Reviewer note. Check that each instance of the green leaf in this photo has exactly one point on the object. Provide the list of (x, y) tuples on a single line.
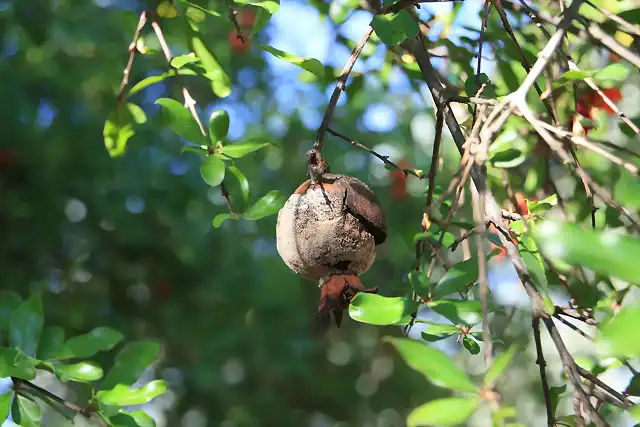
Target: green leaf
[(509, 158), (499, 365), (467, 312), (617, 72), (218, 126), (380, 310), (438, 331), (619, 336), (211, 12), (633, 389), (212, 170), (89, 344), (122, 395), (130, 363), (626, 129), (555, 393), (240, 150), (419, 283), (9, 300), (573, 75), (470, 344), (310, 64), (51, 342), (449, 411), (118, 127), (220, 82), (457, 278), (542, 205), (243, 183), (25, 326), (220, 218), (271, 6), (25, 412), (133, 419), (180, 120), (16, 364), (269, 204), (182, 60), (433, 364), (5, 404), (148, 81), (80, 372), (605, 252), (394, 28)]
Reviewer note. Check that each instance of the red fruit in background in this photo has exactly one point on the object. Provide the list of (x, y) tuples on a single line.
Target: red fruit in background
[(239, 45), (399, 181), (588, 104)]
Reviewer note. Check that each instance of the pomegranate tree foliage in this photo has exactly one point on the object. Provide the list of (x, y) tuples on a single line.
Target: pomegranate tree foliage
[(117, 246)]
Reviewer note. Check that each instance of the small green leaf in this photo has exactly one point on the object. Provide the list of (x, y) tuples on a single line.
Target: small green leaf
[(379, 310), (5, 404), (605, 252), (80, 372), (180, 120), (619, 336), (449, 411), (555, 393), (617, 72), (542, 205), (438, 331), (394, 28), (218, 126), (201, 150), (243, 183), (220, 218), (130, 363), (468, 312), (9, 300), (16, 364), (457, 278), (240, 150), (509, 158), (499, 365), (271, 6), (25, 412), (118, 128), (211, 12), (148, 81), (122, 395), (573, 75), (433, 364), (470, 344), (51, 342), (133, 419), (419, 283), (269, 204), (25, 326), (212, 170), (310, 64), (633, 389), (182, 60), (220, 82), (89, 344)]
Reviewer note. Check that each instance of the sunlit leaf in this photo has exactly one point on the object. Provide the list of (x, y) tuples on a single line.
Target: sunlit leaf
[(438, 331), (80, 372), (25, 326), (271, 6), (220, 82), (218, 125), (25, 412), (133, 419), (433, 364), (380, 310), (616, 71), (220, 218), (542, 205), (269, 204), (182, 60), (457, 278), (119, 127), (310, 64), (130, 363), (212, 170), (605, 252), (122, 395), (619, 337), (468, 312), (180, 120), (240, 150), (91, 343), (500, 363), (394, 28), (449, 411), (5, 404), (166, 9), (509, 158)]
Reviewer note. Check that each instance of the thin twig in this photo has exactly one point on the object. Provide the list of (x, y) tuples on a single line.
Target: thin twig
[(132, 53), (627, 26), (535, 323), (340, 86), (435, 155)]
